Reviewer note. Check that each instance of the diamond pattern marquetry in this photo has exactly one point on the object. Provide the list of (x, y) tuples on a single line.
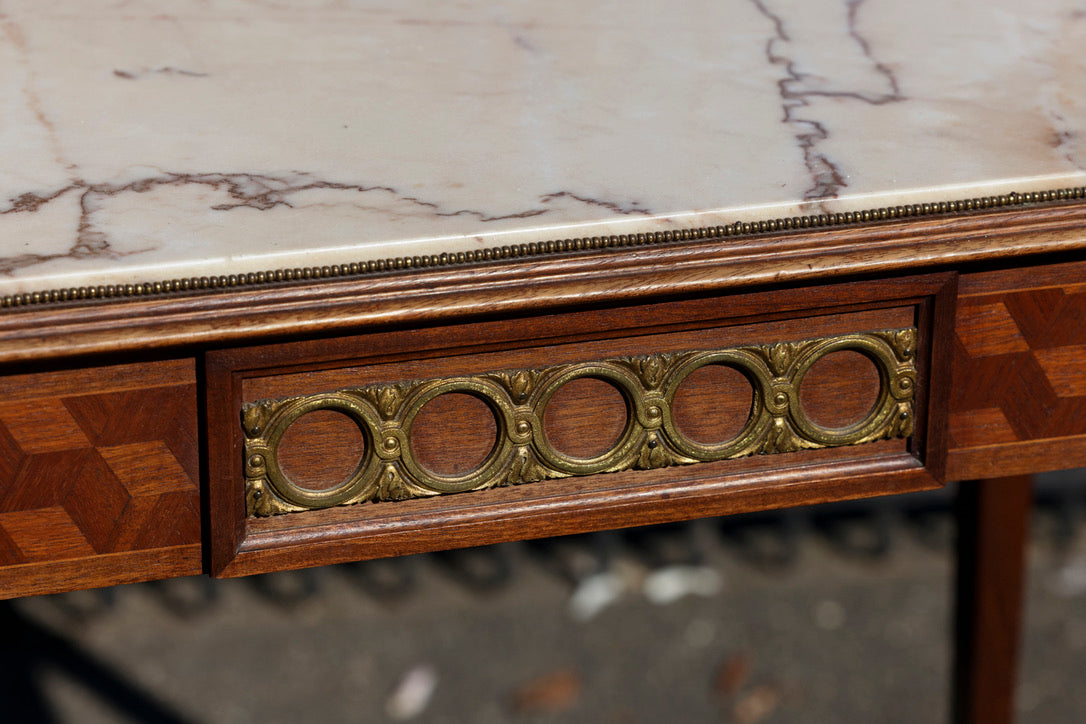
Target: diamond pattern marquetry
[(87, 469), (1019, 367)]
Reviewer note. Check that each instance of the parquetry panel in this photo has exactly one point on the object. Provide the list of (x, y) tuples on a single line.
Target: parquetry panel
[(45, 534), (1019, 367), (40, 426), (92, 468)]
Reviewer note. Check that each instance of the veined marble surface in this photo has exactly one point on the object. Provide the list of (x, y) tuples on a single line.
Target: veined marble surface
[(144, 140)]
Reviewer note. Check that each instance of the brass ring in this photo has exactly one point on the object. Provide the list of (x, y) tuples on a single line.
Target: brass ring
[(881, 355), (628, 387), (364, 475), (760, 378), (500, 455)]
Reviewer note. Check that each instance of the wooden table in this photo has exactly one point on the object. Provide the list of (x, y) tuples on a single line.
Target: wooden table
[(530, 274)]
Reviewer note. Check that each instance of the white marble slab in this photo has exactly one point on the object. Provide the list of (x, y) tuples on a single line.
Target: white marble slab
[(145, 140)]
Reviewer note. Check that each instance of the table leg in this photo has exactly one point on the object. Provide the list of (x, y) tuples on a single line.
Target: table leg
[(993, 524)]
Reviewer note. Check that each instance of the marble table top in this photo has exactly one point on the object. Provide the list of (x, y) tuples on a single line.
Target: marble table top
[(146, 140)]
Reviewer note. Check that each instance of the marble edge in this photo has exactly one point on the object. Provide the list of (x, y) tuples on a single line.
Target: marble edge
[(14, 292)]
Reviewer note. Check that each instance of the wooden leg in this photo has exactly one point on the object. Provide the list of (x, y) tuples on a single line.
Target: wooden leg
[(993, 525)]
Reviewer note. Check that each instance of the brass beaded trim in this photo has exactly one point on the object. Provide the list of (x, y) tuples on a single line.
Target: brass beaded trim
[(190, 284), (522, 453)]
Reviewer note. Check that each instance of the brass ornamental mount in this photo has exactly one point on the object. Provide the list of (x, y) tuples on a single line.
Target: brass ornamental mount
[(542, 248), (522, 453)]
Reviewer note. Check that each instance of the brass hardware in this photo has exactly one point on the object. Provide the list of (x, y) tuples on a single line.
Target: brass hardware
[(334, 271), (385, 413)]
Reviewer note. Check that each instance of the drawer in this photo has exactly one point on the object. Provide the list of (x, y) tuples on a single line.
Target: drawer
[(408, 440)]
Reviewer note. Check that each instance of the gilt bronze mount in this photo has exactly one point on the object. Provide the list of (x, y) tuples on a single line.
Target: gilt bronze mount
[(522, 453)]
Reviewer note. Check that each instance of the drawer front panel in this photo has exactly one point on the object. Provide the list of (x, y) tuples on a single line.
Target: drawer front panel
[(317, 447), (1019, 371), (99, 475)]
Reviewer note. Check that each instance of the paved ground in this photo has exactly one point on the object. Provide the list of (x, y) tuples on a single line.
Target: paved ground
[(821, 615)]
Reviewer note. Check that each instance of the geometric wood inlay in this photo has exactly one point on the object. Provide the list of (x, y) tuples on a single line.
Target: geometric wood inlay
[(981, 427), (40, 426), (989, 329), (45, 534), (99, 461), (1064, 367), (1019, 368)]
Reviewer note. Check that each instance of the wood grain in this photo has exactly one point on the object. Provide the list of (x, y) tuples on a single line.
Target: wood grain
[(453, 434), (321, 449), (1019, 370), (840, 389), (505, 515), (713, 322), (109, 569), (993, 525), (98, 462), (585, 418), (713, 404)]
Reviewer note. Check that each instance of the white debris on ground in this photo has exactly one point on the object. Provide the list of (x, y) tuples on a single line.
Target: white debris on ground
[(661, 586), (671, 583), (595, 593), (412, 695)]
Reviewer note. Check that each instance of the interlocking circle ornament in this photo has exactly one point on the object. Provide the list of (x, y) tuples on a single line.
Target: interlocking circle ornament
[(517, 399)]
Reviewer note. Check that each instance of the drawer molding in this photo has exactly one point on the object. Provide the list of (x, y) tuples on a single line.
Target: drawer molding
[(385, 413)]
